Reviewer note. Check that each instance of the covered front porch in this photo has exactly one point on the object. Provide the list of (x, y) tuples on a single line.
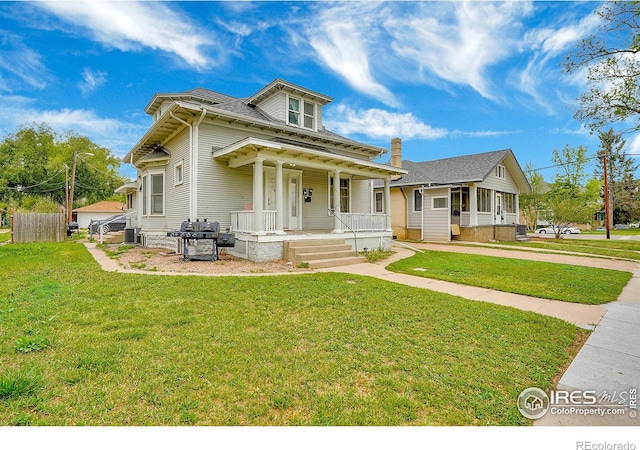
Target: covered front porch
[(307, 192), (297, 188)]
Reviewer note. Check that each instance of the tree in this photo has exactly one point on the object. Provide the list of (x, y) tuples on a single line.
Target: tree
[(34, 163), (568, 200), (620, 172), (532, 202), (612, 67)]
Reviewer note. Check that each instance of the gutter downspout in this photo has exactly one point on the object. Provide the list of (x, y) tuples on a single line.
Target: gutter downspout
[(422, 213), (191, 211), (193, 162), (195, 159)]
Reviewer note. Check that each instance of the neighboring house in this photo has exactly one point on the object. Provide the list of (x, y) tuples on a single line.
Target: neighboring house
[(264, 166), (472, 197), (97, 211)]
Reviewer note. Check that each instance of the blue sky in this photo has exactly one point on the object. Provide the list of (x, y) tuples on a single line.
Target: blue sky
[(449, 78)]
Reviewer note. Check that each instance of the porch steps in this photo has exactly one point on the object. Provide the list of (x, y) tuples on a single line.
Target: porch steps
[(319, 254)]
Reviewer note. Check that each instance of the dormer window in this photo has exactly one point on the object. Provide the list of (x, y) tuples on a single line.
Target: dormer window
[(302, 113)]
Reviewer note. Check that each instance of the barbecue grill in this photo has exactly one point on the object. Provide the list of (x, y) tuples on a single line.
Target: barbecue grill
[(196, 231)]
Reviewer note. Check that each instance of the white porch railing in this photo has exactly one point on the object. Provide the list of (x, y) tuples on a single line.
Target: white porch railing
[(363, 222), (242, 221)]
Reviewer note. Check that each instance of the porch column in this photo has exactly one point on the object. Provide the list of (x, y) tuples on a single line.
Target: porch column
[(258, 196), (473, 206), (279, 199), (387, 201), (337, 224)]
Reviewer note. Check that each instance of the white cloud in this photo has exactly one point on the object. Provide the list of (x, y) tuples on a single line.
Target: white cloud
[(547, 44), (457, 42), (20, 65), (91, 80), (130, 26), (342, 37), (633, 146), (377, 123), (111, 133)]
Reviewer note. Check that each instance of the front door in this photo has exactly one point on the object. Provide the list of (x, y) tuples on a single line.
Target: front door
[(499, 214), (292, 201), (292, 196)]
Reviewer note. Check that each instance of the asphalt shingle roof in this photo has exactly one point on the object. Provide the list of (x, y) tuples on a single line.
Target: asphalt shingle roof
[(457, 169)]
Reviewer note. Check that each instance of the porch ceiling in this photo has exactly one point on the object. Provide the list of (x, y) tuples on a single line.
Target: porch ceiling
[(248, 150)]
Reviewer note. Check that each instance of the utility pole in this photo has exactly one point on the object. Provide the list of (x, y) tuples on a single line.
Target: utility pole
[(73, 185), (66, 190), (606, 195)]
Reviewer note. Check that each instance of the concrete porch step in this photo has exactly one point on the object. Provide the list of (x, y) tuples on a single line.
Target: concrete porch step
[(335, 262), (318, 253)]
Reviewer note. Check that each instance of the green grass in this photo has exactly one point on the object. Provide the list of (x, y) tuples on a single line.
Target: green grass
[(609, 248), (312, 349), (377, 254), (538, 279), (5, 236)]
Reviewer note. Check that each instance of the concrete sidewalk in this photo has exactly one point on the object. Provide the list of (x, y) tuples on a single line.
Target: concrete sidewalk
[(609, 362), (586, 316)]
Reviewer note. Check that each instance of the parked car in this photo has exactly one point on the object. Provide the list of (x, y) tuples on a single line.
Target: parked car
[(113, 223), (554, 230)]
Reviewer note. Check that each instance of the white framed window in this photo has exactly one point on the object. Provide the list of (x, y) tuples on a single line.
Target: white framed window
[(484, 200), (439, 202), (309, 116), (379, 207), (157, 194), (509, 201), (417, 200), (143, 194), (301, 113), (501, 172), (345, 194), (178, 174), (294, 111)]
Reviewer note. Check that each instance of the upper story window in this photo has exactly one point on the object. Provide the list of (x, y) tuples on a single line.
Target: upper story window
[(501, 172), (301, 113)]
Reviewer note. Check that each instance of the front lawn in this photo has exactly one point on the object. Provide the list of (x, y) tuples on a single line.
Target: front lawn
[(623, 249), (563, 282), (79, 346), (5, 235)]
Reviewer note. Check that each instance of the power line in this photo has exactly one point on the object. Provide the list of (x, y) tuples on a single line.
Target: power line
[(20, 188)]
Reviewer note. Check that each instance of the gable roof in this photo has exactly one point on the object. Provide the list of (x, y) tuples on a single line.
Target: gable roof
[(278, 85), (186, 106), (103, 206), (462, 169)]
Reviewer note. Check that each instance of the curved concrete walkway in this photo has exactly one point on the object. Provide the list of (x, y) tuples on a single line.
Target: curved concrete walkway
[(586, 316)]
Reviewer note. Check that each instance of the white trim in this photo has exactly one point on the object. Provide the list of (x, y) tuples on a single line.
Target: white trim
[(342, 177), (501, 172), (151, 174), (413, 200), (302, 156), (433, 202), (180, 165), (375, 202), (301, 114)]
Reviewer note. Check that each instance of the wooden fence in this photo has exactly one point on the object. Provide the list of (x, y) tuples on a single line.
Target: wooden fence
[(38, 227)]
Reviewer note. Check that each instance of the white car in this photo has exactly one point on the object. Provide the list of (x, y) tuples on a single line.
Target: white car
[(554, 230)]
